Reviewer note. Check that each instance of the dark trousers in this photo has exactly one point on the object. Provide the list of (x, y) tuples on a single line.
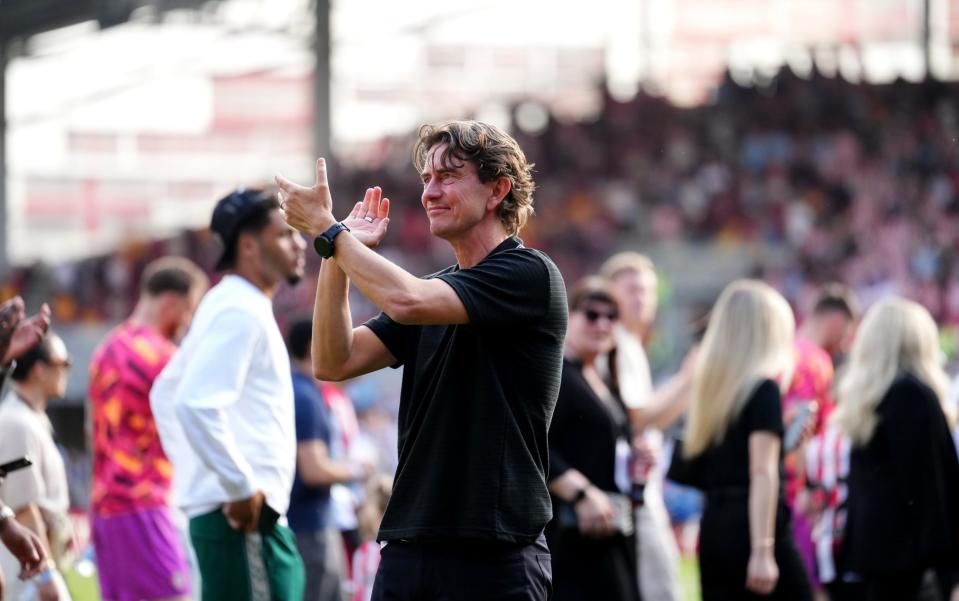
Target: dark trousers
[(463, 570), (724, 549), (917, 584), (589, 569)]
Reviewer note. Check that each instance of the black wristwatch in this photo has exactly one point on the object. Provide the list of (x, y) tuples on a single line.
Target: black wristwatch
[(323, 244), (580, 494)]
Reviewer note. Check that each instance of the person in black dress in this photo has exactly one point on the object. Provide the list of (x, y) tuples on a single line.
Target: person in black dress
[(732, 449), (903, 508), (590, 536)]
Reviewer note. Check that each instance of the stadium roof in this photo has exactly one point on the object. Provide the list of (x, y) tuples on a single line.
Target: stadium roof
[(20, 18)]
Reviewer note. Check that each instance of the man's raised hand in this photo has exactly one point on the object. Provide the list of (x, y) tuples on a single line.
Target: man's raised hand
[(308, 210), (370, 218), (17, 333)]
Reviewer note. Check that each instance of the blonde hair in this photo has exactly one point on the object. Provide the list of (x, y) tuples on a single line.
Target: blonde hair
[(749, 339), (626, 261), (896, 336)]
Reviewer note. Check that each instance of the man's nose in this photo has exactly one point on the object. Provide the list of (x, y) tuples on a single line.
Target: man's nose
[(431, 189)]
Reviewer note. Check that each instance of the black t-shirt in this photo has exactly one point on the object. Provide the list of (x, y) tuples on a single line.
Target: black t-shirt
[(476, 403), (585, 431), (724, 467)]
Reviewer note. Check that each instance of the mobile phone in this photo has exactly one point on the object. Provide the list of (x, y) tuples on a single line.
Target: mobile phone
[(796, 426), (268, 519), (12, 466)]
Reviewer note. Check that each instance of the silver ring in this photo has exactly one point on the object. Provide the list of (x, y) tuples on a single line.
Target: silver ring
[(368, 219)]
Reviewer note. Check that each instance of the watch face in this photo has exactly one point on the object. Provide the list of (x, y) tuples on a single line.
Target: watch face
[(323, 247)]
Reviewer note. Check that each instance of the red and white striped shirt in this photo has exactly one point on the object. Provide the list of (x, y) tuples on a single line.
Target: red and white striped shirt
[(827, 471), (366, 560)]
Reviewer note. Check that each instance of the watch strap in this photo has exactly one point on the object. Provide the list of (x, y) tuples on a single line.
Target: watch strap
[(323, 244)]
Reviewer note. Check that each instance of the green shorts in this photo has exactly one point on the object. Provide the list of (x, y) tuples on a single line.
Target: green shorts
[(240, 566)]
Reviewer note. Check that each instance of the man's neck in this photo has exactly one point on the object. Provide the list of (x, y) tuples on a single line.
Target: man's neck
[(477, 243), (267, 288), (147, 313), (32, 396), (636, 328), (811, 332)]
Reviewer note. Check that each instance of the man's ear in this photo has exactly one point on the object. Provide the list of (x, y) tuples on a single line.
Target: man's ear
[(498, 191), (246, 245)]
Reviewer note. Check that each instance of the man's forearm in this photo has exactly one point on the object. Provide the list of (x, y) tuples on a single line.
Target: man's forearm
[(30, 517), (212, 440), (671, 400), (332, 321), (388, 286)]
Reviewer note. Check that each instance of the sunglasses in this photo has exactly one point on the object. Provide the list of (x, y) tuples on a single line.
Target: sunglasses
[(592, 315), (59, 363)]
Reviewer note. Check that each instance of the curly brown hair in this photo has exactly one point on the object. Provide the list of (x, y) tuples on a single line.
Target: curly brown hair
[(494, 153)]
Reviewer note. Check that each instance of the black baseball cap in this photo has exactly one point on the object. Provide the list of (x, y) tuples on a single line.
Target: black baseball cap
[(228, 216)]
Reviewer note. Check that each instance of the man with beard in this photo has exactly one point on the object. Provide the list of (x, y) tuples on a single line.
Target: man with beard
[(224, 409)]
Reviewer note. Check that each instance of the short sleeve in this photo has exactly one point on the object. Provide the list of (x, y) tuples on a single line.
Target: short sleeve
[(24, 486), (312, 422), (396, 337), (763, 412), (507, 287)]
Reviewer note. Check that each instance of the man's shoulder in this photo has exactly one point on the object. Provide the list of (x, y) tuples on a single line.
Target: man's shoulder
[(526, 254), (136, 342), (16, 418)]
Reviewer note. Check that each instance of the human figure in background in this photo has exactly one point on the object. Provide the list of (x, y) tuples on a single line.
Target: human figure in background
[(345, 496), (903, 510), (366, 558), (310, 514), (732, 448), (19, 334), (224, 411), (138, 545), (823, 338), (592, 536), (37, 494), (634, 281)]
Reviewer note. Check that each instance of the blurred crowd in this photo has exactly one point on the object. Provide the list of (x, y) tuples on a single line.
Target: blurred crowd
[(855, 182), (849, 183)]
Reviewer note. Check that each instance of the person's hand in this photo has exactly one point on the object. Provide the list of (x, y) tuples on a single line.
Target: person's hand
[(309, 210), (644, 454), (370, 217), (24, 545), (28, 334), (245, 513), (364, 469), (595, 513), (762, 573), (11, 312)]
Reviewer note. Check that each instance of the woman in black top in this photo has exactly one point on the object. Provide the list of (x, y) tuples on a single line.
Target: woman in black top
[(903, 508), (590, 536), (732, 448)]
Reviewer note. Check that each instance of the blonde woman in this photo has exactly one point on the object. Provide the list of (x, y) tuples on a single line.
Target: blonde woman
[(903, 511), (732, 448)]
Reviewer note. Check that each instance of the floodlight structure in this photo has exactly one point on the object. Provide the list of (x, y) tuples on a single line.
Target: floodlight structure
[(21, 19)]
